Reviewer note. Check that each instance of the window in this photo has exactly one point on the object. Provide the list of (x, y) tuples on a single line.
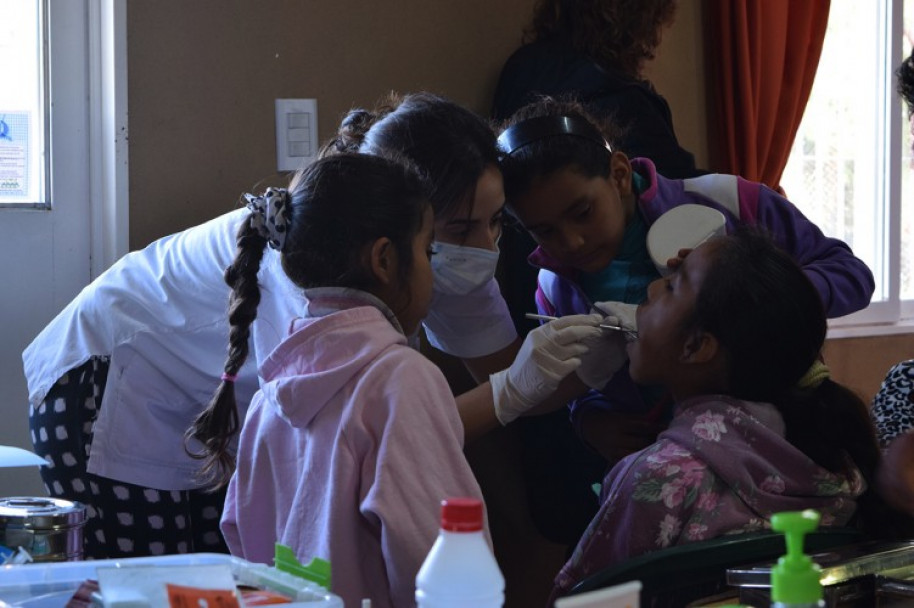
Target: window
[(850, 169), (49, 254), (23, 172), (63, 123)]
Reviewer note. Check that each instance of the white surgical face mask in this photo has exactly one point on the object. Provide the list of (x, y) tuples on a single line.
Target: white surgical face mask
[(459, 270)]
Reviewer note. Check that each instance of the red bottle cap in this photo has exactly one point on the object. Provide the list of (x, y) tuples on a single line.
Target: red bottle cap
[(461, 514)]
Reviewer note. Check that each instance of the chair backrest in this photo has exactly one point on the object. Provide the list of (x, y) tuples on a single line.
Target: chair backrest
[(684, 573)]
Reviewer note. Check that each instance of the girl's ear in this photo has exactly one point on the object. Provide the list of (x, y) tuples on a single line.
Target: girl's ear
[(383, 260), (620, 171), (700, 347)]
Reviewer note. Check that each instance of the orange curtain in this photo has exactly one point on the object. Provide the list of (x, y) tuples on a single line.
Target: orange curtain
[(763, 55)]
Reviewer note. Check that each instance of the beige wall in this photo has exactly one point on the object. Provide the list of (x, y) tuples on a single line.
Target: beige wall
[(862, 363), (203, 76), (678, 73)]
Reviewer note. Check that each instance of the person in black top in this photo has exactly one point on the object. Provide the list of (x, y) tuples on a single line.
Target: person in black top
[(593, 52)]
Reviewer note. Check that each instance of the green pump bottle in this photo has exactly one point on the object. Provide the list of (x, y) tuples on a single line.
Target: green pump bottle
[(796, 579)]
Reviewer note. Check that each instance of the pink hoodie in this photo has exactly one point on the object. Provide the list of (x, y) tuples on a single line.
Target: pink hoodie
[(346, 454)]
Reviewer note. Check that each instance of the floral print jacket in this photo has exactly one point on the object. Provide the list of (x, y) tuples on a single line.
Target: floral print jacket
[(722, 467)]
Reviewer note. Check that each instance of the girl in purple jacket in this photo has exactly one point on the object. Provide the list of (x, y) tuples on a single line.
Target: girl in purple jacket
[(589, 208), (734, 335)]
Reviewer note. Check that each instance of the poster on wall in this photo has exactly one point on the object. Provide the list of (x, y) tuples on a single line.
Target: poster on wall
[(14, 155)]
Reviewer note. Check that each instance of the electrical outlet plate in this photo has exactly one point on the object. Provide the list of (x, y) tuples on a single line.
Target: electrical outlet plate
[(296, 133)]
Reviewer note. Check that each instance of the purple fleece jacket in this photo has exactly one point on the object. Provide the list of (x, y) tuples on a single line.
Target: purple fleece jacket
[(844, 281)]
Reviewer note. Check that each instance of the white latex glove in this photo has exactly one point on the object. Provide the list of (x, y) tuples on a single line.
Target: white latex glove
[(605, 356), (549, 353), (621, 314)]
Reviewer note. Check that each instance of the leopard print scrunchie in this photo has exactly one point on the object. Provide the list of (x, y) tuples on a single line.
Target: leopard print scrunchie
[(270, 215)]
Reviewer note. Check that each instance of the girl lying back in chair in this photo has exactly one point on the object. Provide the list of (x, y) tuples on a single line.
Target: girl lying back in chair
[(734, 334)]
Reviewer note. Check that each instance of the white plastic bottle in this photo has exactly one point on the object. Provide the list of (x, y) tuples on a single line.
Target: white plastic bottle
[(460, 570)]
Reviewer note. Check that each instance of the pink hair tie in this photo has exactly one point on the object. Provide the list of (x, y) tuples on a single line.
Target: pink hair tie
[(228, 377)]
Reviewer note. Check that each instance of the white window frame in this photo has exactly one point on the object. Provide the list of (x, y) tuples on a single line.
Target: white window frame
[(893, 315), (109, 134)]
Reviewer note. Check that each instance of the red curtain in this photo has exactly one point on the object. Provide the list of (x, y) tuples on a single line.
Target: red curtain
[(763, 55)]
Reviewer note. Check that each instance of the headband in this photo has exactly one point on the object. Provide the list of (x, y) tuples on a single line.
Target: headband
[(270, 215), (534, 129)]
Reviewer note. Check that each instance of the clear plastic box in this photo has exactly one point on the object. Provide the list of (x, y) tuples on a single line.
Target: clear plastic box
[(50, 585)]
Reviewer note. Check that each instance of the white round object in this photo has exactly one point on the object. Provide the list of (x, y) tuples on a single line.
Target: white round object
[(682, 227)]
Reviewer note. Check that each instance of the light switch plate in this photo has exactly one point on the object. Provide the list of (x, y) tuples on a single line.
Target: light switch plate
[(296, 133)]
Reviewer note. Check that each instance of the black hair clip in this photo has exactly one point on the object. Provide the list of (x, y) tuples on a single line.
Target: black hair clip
[(534, 129)]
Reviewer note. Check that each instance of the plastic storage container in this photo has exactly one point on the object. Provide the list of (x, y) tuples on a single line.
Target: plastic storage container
[(51, 585), (849, 574), (460, 569)]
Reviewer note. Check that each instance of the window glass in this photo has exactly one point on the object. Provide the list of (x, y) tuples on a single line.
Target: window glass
[(842, 169), (831, 175), (22, 133)]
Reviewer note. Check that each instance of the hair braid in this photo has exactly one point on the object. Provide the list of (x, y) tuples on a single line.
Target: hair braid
[(217, 425)]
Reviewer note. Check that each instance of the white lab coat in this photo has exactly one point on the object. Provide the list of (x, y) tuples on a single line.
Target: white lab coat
[(161, 315)]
